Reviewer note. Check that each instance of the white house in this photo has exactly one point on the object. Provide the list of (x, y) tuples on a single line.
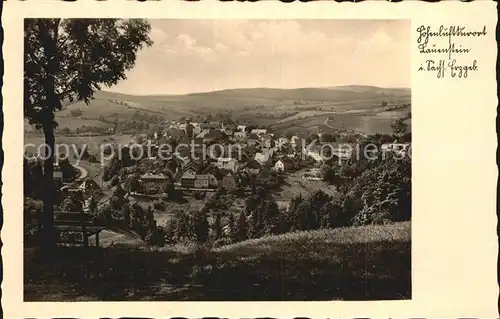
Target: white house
[(313, 152), (264, 156), (282, 165), (227, 163), (241, 128), (258, 131)]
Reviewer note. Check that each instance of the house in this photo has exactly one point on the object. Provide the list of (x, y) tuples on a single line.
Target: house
[(188, 178), (175, 133), (240, 135), (211, 125), (154, 182), (258, 131), (294, 140), (173, 125), (228, 182), (194, 165), (196, 128), (229, 128), (281, 142), (314, 152), (253, 140), (227, 163), (205, 181), (398, 148), (283, 165), (343, 152), (263, 157), (241, 128), (267, 140)]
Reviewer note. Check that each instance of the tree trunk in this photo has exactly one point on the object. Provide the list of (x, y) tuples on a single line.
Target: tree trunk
[(48, 230), (49, 36), (253, 185)]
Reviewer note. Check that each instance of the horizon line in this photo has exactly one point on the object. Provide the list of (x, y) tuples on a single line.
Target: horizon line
[(258, 87)]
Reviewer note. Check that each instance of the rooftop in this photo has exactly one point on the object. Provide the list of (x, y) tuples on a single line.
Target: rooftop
[(153, 176)]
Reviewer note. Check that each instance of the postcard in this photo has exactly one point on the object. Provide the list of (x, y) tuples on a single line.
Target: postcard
[(240, 160)]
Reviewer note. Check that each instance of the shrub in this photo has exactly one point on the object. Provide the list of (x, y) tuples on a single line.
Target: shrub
[(222, 242), (159, 204), (156, 237)]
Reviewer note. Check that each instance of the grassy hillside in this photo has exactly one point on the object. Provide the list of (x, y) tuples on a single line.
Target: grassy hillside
[(364, 263)]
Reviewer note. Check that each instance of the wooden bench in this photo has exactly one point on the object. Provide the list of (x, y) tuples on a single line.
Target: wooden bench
[(77, 222)]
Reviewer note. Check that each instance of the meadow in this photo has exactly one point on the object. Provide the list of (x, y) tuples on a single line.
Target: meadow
[(358, 263), (93, 142)]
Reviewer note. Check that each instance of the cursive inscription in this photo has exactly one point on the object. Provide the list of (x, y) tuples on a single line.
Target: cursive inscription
[(444, 42)]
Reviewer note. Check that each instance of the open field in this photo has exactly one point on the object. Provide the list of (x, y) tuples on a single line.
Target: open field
[(242, 102), (365, 263), (371, 121), (295, 185), (93, 142), (75, 122), (306, 114)]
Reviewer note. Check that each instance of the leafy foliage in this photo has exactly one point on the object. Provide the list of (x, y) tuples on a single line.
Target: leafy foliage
[(70, 60)]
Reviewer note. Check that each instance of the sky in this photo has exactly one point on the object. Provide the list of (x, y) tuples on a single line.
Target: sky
[(206, 55)]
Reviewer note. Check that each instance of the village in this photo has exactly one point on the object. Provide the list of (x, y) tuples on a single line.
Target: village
[(208, 156), (240, 151)]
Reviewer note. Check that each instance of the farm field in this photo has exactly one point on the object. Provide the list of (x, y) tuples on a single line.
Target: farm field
[(74, 122)]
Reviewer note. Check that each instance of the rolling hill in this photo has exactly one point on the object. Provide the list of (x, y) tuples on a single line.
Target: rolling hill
[(262, 106)]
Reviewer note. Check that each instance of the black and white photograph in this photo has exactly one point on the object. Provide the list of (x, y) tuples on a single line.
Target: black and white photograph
[(217, 160)]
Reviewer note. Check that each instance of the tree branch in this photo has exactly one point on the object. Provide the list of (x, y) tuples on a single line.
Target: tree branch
[(35, 59)]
